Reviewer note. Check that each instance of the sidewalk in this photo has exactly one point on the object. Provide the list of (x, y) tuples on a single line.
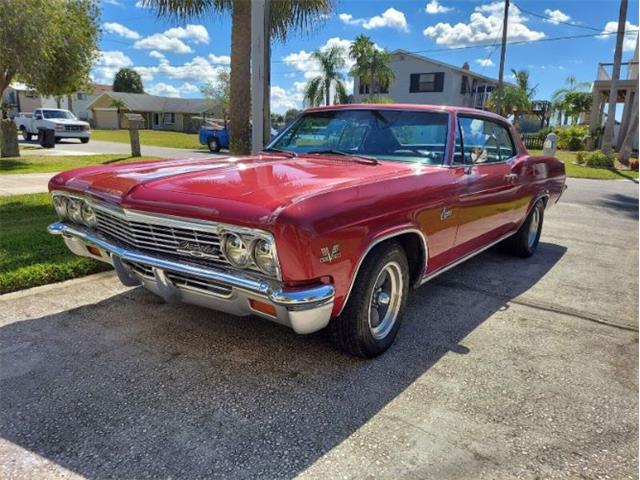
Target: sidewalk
[(24, 183)]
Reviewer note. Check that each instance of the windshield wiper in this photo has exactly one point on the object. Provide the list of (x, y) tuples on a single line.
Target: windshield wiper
[(344, 154), (288, 153)]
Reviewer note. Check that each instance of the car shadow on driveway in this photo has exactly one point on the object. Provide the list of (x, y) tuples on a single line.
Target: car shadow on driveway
[(135, 388)]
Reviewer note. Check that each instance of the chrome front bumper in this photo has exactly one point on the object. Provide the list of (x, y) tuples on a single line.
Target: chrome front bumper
[(305, 310)]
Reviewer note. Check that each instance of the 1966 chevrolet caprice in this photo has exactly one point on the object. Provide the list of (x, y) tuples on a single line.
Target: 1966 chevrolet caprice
[(329, 226)]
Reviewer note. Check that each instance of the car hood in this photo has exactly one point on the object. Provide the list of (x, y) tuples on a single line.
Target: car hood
[(241, 190), (66, 121)]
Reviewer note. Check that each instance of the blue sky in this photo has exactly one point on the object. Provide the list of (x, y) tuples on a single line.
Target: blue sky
[(176, 58)]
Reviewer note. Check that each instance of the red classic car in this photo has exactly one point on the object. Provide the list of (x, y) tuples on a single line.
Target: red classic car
[(328, 227)]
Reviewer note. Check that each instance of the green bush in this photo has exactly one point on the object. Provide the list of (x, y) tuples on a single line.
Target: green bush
[(543, 132), (581, 157), (573, 137), (598, 159)]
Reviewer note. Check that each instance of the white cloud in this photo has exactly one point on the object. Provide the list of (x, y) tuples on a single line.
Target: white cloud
[(556, 16), (173, 40), (166, 90), (108, 64), (159, 41), (391, 18), (163, 89), (198, 69), (112, 2), (485, 62), (157, 55), (484, 25), (220, 60), (121, 30), (303, 61), (630, 34), (196, 33), (433, 7)]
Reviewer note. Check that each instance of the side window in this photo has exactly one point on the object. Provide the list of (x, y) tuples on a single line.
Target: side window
[(485, 141)]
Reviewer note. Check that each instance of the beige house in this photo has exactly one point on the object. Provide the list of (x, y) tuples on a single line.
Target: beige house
[(18, 97), (423, 80), (159, 113)]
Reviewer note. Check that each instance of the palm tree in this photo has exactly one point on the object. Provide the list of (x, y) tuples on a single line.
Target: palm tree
[(372, 64), (558, 99), (286, 15), (118, 105), (331, 62)]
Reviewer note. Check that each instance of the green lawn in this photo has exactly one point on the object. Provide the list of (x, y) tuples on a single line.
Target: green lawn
[(42, 163), (151, 137), (29, 256), (578, 171)]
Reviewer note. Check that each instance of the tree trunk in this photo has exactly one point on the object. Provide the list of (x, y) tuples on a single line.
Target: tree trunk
[(8, 139), (607, 140), (327, 91), (627, 143), (69, 103), (371, 80), (240, 95)]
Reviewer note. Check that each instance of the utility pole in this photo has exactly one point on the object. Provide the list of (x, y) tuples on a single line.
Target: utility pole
[(260, 38), (607, 138), (503, 53)]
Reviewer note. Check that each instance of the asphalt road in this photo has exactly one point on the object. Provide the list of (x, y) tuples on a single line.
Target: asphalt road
[(504, 368), (95, 147)]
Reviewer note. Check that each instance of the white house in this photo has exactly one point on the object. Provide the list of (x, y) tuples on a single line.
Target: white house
[(422, 80)]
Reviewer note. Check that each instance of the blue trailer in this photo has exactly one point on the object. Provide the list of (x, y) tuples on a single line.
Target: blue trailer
[(214, 138)]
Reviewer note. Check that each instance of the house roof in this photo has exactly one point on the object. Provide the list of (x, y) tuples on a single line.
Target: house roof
[(446, 65), (143, 102)]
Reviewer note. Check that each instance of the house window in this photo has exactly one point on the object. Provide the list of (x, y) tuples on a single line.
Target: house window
[(81, 96), (169, 118), (464, 86), (427, 82), (31, 94)]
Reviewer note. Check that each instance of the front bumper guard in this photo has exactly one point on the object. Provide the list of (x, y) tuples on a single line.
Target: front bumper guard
[(305, 310)]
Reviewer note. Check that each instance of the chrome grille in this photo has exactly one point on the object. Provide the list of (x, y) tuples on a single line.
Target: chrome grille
[(168, 240), (181, 280)]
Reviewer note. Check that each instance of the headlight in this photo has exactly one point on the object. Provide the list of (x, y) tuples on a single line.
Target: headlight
[(263, 256), (88, 215), (60, 205), (236, 251), (74, 210)]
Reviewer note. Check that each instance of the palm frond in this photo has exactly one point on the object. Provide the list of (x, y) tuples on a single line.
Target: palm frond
[(341, 93), (313, 93), (187, 9), (297, 15)]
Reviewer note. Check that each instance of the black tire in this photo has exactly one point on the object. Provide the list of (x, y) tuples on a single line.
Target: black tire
[(523, 243), (214, 145), (25, 135), (84, 140), (352, 331)]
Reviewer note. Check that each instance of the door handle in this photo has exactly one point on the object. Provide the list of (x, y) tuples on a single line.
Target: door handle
[(511, 177)]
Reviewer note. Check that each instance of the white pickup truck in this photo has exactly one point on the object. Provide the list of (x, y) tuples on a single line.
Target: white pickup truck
[(63, 122)]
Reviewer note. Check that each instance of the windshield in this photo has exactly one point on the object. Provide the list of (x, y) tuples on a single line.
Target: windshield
[(403, 136), (58, 114)]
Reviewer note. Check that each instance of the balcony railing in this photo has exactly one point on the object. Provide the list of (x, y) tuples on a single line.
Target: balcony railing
[(628, 71)]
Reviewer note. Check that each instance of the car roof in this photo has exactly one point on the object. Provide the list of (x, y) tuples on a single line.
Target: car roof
[(409, 107)]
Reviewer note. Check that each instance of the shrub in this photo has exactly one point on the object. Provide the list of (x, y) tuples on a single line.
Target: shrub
[(599, 159), (543, 132), (573, 137), (581, 157)]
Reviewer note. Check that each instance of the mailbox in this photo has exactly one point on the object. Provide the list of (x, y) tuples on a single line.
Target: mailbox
[(135, 121)]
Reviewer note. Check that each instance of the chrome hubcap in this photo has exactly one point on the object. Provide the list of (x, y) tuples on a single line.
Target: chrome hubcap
[(533, 226), (385, 300)]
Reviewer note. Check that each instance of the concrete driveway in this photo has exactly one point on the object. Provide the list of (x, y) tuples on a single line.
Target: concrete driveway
[(95, 147), (504, 368)]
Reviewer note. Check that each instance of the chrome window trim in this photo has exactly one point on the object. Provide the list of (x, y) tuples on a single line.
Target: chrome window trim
[(174, 221), (380, 240)]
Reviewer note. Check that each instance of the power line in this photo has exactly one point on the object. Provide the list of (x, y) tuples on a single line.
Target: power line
[(555, 21)]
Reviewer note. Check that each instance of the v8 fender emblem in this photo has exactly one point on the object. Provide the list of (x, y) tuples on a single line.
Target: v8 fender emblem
[(446, 213), (330, 255)]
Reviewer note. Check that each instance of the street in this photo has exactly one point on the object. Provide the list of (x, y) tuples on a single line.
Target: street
[(503, 368)]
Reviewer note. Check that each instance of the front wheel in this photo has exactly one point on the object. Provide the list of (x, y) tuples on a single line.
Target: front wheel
[(84, 140), (525, 241), (214, 145), (370, 320)]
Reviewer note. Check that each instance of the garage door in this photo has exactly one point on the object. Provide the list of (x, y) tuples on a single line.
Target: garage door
[(106, 119)]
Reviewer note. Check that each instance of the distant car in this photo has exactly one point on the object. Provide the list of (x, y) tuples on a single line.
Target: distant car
[(214, 137), (63, 122), (217, 138), (328, 227)]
